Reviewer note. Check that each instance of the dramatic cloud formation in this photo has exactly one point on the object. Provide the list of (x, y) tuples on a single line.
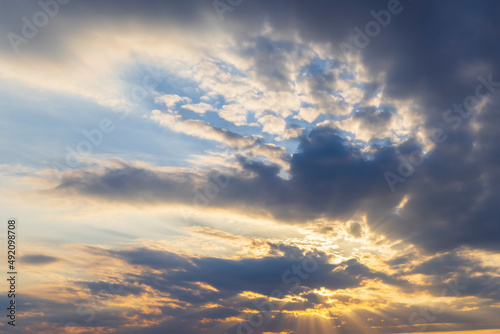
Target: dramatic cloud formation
[(252, 166)]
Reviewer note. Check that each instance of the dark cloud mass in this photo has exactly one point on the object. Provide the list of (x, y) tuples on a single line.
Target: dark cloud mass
[(262, 276), (228, 279), (215, 289), (450, 203)]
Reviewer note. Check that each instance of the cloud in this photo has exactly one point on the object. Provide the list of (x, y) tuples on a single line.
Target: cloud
[(309, 114), (160, 290), (228, 278), (234, 113), (370, 123), (444, 264), (355, 229), (272, 124), (330, 176), (201, 129), (199, 108), (38, 259), (342, 121), (171, 100)]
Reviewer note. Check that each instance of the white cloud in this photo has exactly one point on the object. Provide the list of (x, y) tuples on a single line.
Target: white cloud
[(234, 113), (171, 100), (309, 114), (272, 124), (199, 108)]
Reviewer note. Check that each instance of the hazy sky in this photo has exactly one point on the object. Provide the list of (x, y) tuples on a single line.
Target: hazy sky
[(250, 166)]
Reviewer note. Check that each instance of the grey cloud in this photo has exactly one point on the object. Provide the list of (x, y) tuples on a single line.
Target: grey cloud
[(38, 259)]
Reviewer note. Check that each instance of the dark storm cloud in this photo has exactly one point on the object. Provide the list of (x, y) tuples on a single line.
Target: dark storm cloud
[(179, 279), (329, 176), (466, 284), (485, 286), (454, 194), (427, 58), (461, 276), (231, 277), (444, 264)]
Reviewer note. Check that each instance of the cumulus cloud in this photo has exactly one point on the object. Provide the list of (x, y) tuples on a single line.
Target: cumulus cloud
[(272, 124), (234, 113)]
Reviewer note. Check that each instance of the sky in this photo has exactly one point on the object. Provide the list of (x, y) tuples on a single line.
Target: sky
[(250, 166)]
